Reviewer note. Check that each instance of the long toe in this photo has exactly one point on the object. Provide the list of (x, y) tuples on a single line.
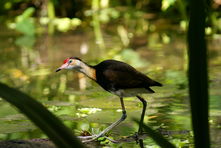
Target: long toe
[(87, 137), (91, 139)]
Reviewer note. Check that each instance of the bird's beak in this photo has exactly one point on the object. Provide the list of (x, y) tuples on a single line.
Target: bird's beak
[(57, 70), (62, 67)]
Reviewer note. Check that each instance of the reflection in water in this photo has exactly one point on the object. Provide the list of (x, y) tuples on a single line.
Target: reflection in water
[(72, 97)]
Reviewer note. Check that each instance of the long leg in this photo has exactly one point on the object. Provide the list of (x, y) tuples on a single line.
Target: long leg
[(140, 130), (142, 114), (123, 117)]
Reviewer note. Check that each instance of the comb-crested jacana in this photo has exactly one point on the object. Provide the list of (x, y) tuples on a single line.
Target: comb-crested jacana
[(115, 77)]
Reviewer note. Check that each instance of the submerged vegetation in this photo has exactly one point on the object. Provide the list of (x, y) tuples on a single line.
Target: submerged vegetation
[(36, 35)]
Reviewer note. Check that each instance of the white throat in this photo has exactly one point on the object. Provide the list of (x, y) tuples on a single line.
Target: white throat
[(87, 70)]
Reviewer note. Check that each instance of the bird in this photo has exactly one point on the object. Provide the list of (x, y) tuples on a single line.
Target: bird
[(118, 78)]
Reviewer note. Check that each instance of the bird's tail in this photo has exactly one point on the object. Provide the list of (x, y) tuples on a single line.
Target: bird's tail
[(155, 83)]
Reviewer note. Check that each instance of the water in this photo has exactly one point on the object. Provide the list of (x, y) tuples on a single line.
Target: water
[(84, 106)]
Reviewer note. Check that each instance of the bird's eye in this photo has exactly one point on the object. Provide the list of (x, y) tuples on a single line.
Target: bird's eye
[(69, 61)]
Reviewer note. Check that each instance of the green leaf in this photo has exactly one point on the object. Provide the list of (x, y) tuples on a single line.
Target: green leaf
[(24, 23), (26, 26), (39, 115)]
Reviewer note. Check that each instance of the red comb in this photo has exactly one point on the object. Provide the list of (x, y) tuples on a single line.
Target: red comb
[(65, 61)]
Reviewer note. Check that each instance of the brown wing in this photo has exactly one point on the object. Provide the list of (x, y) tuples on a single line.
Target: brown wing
[(113, 74), (123, 79), (123, 75)]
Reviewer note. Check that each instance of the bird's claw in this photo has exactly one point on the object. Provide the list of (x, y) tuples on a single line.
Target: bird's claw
[(86, 139), (137, 137)]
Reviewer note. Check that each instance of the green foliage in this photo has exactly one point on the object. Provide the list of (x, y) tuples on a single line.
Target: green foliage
[(45, 120), (180, 143), (24, 23), (105, 14), (66, 24), (167, 3)]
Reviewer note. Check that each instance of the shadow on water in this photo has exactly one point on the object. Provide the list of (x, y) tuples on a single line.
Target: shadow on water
[(84, 106)]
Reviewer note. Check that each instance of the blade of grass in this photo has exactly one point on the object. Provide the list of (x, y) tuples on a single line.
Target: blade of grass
[(40, 116), (157, 137), (198, 73)]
